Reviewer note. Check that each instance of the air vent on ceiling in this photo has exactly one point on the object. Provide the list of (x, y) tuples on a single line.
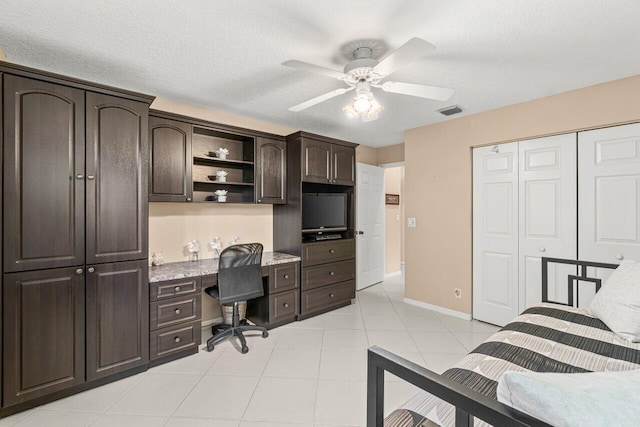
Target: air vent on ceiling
[(450, 111)]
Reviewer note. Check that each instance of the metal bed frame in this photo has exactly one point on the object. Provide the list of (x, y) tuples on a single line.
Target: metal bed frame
[(468, 403)]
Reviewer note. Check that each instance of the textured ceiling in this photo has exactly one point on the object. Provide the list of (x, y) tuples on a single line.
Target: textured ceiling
[(227, 54)]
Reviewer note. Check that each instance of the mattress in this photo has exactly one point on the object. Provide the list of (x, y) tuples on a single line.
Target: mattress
[(544, 338)]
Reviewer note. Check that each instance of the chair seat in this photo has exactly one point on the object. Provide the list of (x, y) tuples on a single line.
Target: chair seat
[(213, 291)]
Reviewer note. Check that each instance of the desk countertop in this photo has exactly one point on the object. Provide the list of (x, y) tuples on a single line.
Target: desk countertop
[(180, 270)]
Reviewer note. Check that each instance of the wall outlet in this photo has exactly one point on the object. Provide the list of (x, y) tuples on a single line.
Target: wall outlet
[(411, 222), (457, 292)]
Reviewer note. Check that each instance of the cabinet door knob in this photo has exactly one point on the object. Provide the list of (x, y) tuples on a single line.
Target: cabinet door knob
[(91, 269), (331, 251), (188, 199), (177, 289), (331, 273), (332, 295), (79, 271), (79, 176), (543, 249), (177, 339), (619, 257), (285, 305), (177, 311), (259, 201), (90, 177), (286, 276)]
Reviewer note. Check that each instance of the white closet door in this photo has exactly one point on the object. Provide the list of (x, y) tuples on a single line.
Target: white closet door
[(495, 233), (609, 194), (547, 215)]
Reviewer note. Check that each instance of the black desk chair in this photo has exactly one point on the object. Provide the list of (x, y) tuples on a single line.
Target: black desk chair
[(239, 279)]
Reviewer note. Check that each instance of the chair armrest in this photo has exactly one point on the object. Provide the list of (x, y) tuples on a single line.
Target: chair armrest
[(468, 403)]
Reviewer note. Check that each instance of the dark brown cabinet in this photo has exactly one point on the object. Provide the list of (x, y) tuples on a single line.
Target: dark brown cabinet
[(327, 162), (117, 317), (271, 171), (44, 182), (170, 160), (74, 183), (43, 333), (117, 165)]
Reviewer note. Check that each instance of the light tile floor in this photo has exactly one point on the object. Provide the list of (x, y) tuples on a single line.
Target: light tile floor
[(309, 373)]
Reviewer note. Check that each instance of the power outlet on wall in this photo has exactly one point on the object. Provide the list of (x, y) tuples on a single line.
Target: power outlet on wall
[(457, 292)]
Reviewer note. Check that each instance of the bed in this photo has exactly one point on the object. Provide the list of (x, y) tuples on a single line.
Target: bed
[(550, 337)]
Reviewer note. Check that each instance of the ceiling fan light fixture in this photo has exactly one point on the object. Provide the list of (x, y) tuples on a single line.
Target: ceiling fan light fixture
[(365, 106)]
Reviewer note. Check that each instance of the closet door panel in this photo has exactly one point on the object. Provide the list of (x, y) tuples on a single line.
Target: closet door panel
[(609, 194), (547, 214), (495, 233)]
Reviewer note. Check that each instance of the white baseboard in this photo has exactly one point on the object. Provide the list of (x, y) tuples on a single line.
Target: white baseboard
[(210, 322), (395, 273), (437, 308)]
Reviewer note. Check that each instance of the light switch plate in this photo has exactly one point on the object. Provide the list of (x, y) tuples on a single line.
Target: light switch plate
[(411, 222)]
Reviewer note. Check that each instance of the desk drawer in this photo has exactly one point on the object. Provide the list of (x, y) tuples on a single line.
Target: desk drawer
[(326, 274), (283, 306), (174, 288), (167, 341), (174, 311), (325, 252), (327, 296), (283, 277)]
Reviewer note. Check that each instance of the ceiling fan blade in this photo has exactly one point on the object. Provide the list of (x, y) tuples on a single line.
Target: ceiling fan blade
[(407, 53), (431, 92), (305, 66), (319, 99)]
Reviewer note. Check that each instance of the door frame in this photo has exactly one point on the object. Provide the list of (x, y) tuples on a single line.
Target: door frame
[(402, 220)]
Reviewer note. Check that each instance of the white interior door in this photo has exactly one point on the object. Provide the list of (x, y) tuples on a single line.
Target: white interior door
[(369, 225), (495, 233), (609, 194), (547, 215)]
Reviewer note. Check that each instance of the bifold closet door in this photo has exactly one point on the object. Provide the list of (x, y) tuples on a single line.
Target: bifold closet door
[(547, 215), (495, 233), (609, 194)]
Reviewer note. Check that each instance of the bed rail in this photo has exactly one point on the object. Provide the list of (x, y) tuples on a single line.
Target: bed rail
[(468, 403)]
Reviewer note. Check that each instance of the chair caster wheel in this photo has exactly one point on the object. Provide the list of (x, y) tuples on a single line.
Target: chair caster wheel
[(245, 350), (243, 322), (265, 334), (210, 348)]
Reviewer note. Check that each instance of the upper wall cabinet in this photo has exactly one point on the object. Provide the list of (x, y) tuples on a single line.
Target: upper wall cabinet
[(327, 161), (170, 160), (194, 160)]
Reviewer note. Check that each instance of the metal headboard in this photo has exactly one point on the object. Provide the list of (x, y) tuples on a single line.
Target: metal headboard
[(581, 276)]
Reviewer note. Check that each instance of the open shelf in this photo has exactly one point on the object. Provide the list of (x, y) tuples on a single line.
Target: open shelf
[(243, 184), (216, 161)]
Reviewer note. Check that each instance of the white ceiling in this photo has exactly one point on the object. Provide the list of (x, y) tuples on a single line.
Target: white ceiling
[(226, 54)]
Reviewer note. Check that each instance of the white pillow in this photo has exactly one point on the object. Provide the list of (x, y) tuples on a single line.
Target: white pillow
[(591, 399), (617, 303)]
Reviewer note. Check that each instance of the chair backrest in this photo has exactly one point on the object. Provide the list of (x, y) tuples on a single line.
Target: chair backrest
[(240, 273)]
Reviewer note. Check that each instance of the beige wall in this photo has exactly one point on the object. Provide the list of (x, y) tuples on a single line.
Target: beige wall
[(366, 154), (391, 154), (172, 225), (438, 177), (393, 221), (2, 56)]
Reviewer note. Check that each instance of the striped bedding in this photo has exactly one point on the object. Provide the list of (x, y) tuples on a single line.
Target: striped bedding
[(544, 338)]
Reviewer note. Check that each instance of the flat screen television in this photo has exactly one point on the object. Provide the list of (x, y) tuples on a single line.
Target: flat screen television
[(324, 212)]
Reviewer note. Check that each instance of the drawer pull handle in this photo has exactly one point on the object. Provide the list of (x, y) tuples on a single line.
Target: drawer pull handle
[(177, 289), (177, 311), (332, 295), (91, 269), (286, 276), (331, 273), (285, 305), (619, 257), (79, 271), (177, 339), (331, 251)]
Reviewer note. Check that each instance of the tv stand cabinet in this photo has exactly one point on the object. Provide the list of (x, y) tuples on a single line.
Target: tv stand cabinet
[(317, 164)]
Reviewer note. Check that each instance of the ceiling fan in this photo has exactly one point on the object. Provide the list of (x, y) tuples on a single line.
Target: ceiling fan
[(366, 72)]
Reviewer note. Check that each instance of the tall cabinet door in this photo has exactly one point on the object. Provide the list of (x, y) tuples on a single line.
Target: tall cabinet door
[(609, 194), (117, 317), (344, 165), (117, 175), (271, 157), (547, 215), (44, 180), (316, 161), (170, 161), (495, 233), (43, 333)]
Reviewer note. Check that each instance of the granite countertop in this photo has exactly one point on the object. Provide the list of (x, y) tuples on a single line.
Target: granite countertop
[(180, 270)]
